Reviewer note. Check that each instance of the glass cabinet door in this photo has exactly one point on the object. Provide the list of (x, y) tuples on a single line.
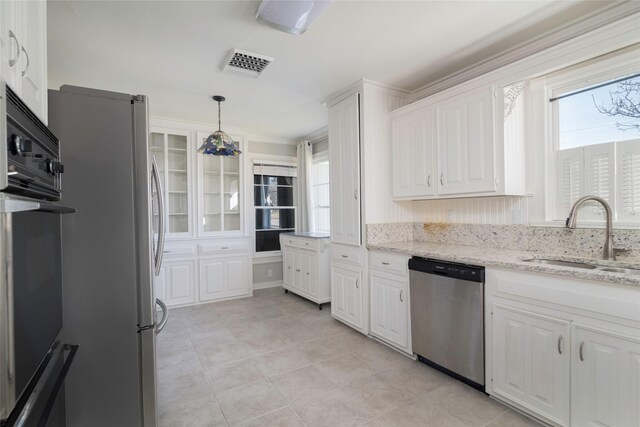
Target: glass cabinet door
[(171, 150), (220, 188)]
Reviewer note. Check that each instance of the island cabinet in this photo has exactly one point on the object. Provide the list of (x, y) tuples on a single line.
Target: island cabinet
[(306, 267), (453, 144), (23, 52), (566, 351)]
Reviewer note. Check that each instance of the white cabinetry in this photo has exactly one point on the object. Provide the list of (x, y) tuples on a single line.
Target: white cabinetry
[(531, 355), (349, 296), (306, 267), (453, 145), (23, 51), (566, 351), (344, 165), (389, 283), (605, 378), (223, 277), (414, 161), (175, 284)]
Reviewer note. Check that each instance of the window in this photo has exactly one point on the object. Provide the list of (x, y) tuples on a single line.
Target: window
[(275, 212), (595, 117), (320, 185)]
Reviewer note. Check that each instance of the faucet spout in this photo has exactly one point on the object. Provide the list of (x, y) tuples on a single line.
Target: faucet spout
[(572, 220)]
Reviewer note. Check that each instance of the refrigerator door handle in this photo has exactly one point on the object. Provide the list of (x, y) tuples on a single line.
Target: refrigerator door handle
[(165, 316), (161, 213)]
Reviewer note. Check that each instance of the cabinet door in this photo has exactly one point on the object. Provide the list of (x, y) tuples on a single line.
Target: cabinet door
[(414, 154), (605, 389), (33, 57), (466, 146), (310, 268), (211, 279), (389, 310), (344, 167), (236, 276), (297, 270), (346, 295), (287, 267), (531, 358), (10, 18), (180, 282)]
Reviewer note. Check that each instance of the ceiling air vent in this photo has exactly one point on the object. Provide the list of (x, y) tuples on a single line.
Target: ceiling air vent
[(247, 63)]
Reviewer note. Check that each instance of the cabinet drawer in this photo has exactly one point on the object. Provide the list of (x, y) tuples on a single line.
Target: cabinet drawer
[(177, 251), (390, 263), (288, 241), (222, 247), (310, 244), (347, 254)]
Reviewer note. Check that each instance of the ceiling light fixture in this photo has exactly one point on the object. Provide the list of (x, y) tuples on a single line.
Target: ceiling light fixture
[(219, 143), (290, 16)]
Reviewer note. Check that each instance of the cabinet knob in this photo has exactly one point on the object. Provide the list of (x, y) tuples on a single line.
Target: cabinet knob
[(581, 351), (442, 179), (560, 344), (385, 263), (401, 290), (345, 256), (298, 270), (429, 181), (225, 247)]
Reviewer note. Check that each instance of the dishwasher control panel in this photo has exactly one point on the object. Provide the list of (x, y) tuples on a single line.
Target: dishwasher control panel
[(454, 270)]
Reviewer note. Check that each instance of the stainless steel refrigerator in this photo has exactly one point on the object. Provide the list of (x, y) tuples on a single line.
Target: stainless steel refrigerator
[(111, 251)]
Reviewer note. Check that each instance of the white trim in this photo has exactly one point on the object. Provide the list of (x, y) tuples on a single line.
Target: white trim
[(267, 258), (267, 285), (317, 136)]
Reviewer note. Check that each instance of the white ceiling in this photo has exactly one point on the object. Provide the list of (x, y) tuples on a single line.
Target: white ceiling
[(173, 51)]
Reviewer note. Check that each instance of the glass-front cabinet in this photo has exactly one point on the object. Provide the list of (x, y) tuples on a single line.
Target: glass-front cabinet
[(220, 198), (172, 151)]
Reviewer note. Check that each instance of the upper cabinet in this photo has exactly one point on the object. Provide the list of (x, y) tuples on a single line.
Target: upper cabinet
[(172, 149), (23, 52), (219, 201), (344, 165), (452, 145)]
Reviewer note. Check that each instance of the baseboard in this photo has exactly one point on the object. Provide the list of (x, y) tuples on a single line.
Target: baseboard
[(265, 285)]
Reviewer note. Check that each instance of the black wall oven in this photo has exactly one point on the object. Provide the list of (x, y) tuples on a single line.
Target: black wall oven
[(33, 359)]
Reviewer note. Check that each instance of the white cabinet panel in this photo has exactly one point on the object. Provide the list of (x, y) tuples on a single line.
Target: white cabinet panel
[(306, 267), (236, 275), (344, 164), (211, 279), (389, 309), (531, 359), (10, 20), (297, 270), (466, 145), (347, 295), (605, 379), (179, 279), (414, 154), (287, 267)]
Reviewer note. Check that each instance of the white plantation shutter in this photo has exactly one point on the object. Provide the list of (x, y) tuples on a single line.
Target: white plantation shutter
[(570, 178), (628, 162), (599, 178)]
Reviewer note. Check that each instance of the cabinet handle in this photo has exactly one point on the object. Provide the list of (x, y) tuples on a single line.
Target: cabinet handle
[(355, 194), (24, 72), (306, 244), (225, 247), (166, 252), (581, 351), (560, 344), (401, 290), (307, 273), (345, 256), (13, 61), (298, 270), (385, 263), (429, 181), (441, 179), (357, 287)]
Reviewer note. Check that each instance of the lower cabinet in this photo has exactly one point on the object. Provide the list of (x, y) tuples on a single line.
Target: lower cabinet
[(605, 379), (347, 295), (175, 284), (305, 268), (223, 277), (531, 359), (390, 310)]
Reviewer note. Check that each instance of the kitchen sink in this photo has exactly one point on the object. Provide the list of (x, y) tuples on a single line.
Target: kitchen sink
[(562, 263), (584, 265)]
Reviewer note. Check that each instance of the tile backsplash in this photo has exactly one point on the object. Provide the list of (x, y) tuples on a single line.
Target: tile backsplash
[(580, 242)]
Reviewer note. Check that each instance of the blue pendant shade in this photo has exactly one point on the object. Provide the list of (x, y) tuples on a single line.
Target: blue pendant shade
[(219, 143)]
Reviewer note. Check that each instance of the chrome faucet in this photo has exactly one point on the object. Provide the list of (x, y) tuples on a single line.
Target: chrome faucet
[(609, 253)]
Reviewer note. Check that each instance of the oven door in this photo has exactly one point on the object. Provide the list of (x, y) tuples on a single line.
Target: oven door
[(31, 300)]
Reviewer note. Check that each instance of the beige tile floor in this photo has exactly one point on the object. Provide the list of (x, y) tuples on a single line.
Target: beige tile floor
[(276, 360)]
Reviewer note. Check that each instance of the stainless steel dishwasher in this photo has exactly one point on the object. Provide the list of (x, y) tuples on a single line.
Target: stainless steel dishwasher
[(447, 318)]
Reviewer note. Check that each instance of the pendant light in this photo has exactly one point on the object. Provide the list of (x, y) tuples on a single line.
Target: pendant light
[(219, 143)]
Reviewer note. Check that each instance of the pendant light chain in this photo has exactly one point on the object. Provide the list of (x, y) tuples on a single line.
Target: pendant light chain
[(219, 120)]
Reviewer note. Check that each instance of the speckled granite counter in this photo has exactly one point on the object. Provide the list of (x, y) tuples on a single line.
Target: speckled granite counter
[(508, 258)]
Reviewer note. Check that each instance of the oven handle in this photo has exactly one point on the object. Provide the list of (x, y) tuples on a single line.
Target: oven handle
[(11, 205), (161, 212), (54, 208)]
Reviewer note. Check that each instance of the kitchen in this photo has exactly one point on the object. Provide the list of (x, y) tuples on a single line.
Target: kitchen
[(304, 220)]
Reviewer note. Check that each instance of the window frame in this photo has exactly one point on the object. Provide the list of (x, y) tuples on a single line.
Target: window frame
[(320, 157), (584, 74)]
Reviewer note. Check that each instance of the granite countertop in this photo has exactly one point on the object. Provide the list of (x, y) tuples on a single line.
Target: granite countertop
[(490, 257), (309, 234)]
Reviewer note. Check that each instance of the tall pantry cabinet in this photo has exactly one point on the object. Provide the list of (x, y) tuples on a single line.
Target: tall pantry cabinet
[(358, 124)]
